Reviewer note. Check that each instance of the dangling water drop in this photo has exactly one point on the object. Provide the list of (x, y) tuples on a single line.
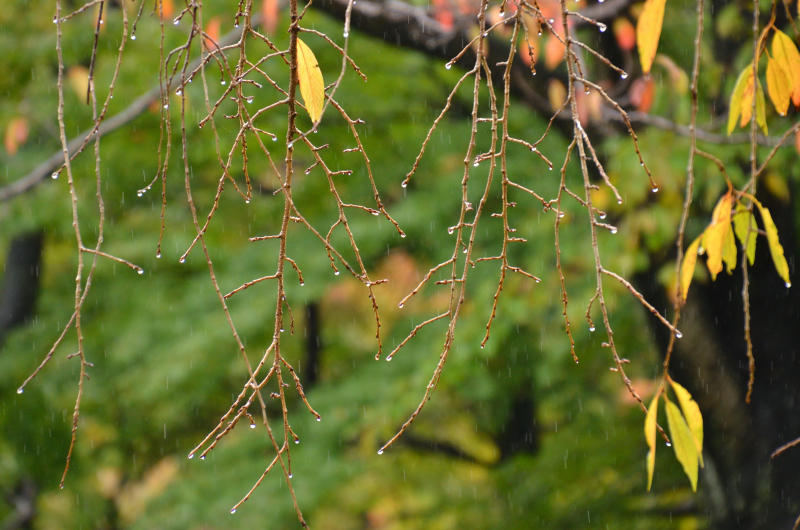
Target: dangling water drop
[(252, 425), (404, 184), (380, 451), (654, 190), (133, 37), (613, 230), (336, 273), (191, 455), (448, 66), (602, 28), (591, 329), (624, 75), (788, 284), (678, 334), (54, 175), (182, 260), (20, 390), (233, 510), (140, 271)]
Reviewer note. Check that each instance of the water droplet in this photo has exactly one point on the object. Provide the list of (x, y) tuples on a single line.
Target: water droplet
[(602, 28), (678, 334), (483, 346), (669, 444), (297, 440), (282, 330), (550, 168), (788, 284), (624, 75), (290, 475), (336, 273), (302, 284), (375, 212), (346, 34), (274, 138), (403, 235), (613, 230), (450, 230), (319, 418), (603, 215), (654, 190), (182, 260), (202, 457), (176, 22), (534, 150), (591, 329), (252, 425), (233, 510), (560, 214), (140, 271), (20, 390), (222, 82), (448, 66), (389, 358), (236, 25), (166, 105), (551, 20), (54, 175), (400, 305), (380, 451), (139, 193), (178, 92), (619, 201), (191, 455), (247, 201), (404, 184), (55, 20), (476, 163), (133, 37)]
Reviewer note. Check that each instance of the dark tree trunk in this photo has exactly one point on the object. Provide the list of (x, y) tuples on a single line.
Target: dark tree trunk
[(20, 281)]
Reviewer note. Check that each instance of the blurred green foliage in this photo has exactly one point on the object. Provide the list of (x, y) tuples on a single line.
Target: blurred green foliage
[(166, 366)]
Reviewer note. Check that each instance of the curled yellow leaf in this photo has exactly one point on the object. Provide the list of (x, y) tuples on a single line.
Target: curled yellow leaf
[(309, 76), (775, 247), (743, 82), (648, 31), (691, 412), (729, 252), (683, 443), (650, 437), (687, 267), (715, 235)]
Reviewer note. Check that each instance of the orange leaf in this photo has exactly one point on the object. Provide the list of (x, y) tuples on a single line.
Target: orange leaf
[(643, 92), (553, 52), (167, 8), (16, 134), (270, 13), (648, 31), (625, 34), (212, 32), (716, 234), (444, 15)]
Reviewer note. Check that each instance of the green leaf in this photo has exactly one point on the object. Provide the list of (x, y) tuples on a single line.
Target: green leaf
[(744, 224), (775, 248), (309, 76), (687, 267), (694, 418), (650, 436), (683, 443)]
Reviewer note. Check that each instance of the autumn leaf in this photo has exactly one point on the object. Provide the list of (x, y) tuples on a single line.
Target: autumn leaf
[(625, 34), (312, 87), (648, 31), (650, 436), (744, 224), (761, 109), (683, 443), (694, 418), (687, 267), (779, 86), (714, 236), (729, 252), (775, 248), (785, 54), (16, 134), (742, 83)]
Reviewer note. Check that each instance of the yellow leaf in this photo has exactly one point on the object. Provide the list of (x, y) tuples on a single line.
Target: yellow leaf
[(650, 436), (692, 414), (742, 82), (729, 252), (683, 443), (312, 88), (648, 31), (714, 236), (785, 53), (761, 109), (779, 86), (744, 224), (775, 247), (687, 267)]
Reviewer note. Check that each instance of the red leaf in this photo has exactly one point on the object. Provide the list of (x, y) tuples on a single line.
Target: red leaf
[(625, 34), (271, 15), (643, 91)]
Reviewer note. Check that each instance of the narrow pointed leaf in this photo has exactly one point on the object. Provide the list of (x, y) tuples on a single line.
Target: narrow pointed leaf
[(735, 109), (312, 88), (729, 252), (693, 416), (742, 221), (715, 234), (683, 443), (648, 31), (775, 248), (761, 109), (687, 267), (650, 436)]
